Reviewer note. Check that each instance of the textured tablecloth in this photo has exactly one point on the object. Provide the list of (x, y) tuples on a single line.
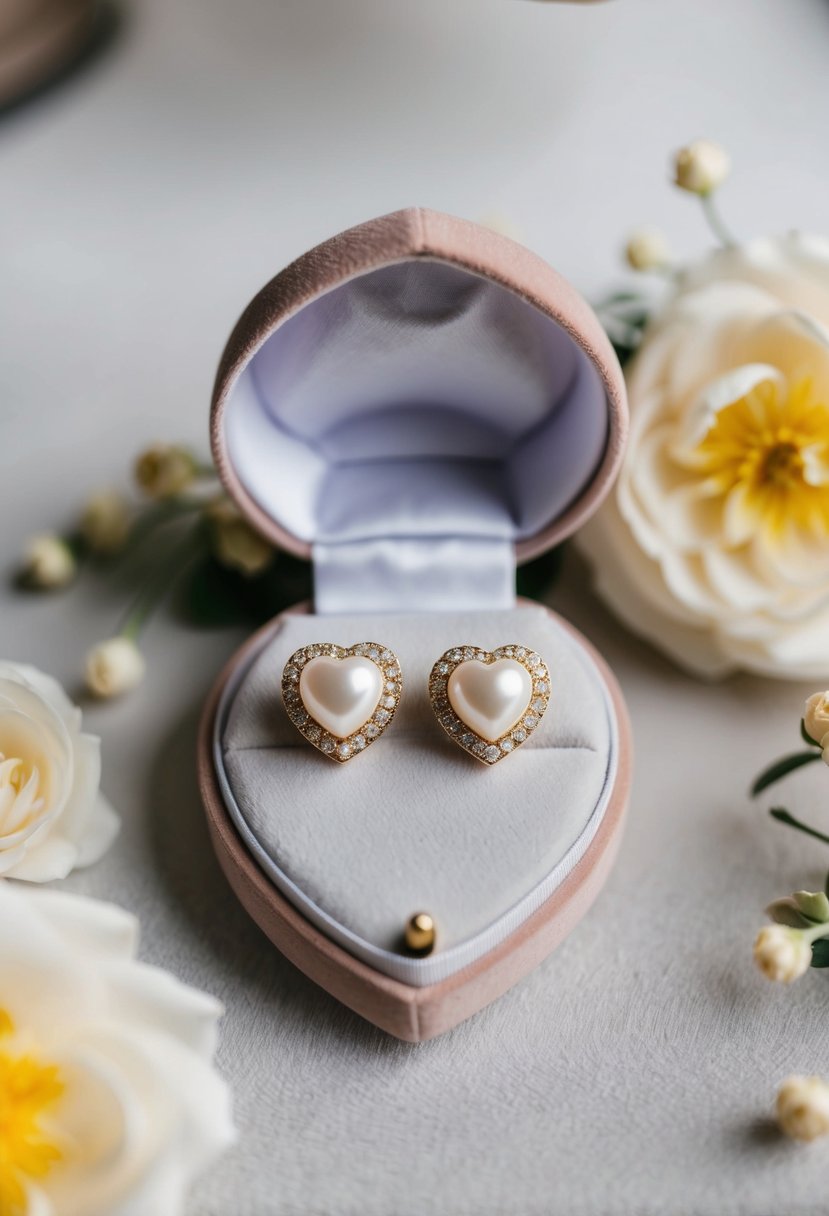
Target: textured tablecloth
[(142, 204)]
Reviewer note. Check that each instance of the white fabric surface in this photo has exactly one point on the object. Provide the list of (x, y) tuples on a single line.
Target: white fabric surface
[(633, 1073), (416, 823)]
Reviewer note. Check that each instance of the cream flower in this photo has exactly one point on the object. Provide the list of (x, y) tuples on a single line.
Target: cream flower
[(109, 1104), (114, 667), (782, 954), (701, 167), (803, 1107), (105, 522), (164, 470), (647, 249), (52, 815), (716, 543), (48, 563), (816, 717), (235, 542)]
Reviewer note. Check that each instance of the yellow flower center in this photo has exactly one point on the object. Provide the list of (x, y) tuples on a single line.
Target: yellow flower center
[(29, 1088), (771, 447)]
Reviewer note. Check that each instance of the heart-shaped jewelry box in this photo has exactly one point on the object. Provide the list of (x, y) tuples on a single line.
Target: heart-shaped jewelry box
[(416, 405)]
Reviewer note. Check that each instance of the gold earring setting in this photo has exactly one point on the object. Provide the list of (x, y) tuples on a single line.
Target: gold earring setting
[(342, 698), (489, 702)]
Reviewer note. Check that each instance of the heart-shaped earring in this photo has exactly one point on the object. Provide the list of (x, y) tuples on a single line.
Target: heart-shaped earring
[(342, 698), (489, 701)]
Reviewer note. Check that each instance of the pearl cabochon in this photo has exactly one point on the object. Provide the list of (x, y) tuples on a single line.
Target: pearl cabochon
[(341, 694), (490, 697)]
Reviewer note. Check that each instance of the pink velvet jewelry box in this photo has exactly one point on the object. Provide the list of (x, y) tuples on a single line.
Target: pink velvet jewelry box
[(416, 405)]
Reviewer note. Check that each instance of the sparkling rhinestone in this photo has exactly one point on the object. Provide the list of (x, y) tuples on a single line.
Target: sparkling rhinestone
[(313, 732), (443, 668), (507, 745), (374, 653), (344, 750), (455, 655), (327, 745), (530, 721), (382, 716), (448, 719), (359, 742), (479, 748), (539, 705), (299, 715), (392, 687), (372, 730), (519, 735), (542, 686), (291, 673), (299, 660), (393, 672), (360, 649), (541, 673), (469, 653), (388, 656), (467, 740), (388, 702), (491, 754), (534, 660), (508, 650), (520, 652)]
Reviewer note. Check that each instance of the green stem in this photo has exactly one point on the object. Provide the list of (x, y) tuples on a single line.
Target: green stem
[(812, 935), (783, 816), (178, 557), (157, 515), (715, 221)]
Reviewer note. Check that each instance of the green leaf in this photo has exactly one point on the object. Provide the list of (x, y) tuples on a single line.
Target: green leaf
[(781, 768), (805, 736), (813, 904), (820, 952), (785, 912), (783, 816), (215, 597)]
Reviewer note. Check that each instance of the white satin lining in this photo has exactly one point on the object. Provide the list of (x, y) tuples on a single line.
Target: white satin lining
[(418, 972)]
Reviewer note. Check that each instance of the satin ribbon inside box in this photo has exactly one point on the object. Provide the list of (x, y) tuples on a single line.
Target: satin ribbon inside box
[(416, 405)]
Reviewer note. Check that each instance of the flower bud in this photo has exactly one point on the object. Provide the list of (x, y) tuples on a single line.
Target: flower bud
[(803, 1107), (647, 249), (816, 717), (235, 543), (782, 954), (48, 563), (701, 167), (164, 470), (114, 667), (105, 522)]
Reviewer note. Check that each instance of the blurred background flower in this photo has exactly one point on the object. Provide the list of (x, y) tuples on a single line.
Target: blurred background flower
[(109, 1102), (53, 817)]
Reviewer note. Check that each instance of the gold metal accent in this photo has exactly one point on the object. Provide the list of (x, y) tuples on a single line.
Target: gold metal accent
[(490, 751), (421, 933), (343, 750)]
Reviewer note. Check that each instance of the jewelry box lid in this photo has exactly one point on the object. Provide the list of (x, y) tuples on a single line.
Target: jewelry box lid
[(418, 378)]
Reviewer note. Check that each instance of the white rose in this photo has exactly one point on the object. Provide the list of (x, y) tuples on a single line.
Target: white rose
[(816, 717), (715, 545), (109, 1104), (52, 815), (782, 954), (701, 167), (647, 249), (114, 667), (105, 522), (48, 563), (164, 470), (803, 1107)]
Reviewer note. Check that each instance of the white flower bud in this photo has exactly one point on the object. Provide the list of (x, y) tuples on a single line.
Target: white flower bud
[(114, 667), (803, 1107), (48, 563), (163, 470), (702, 166), (647, 249), (816, 717), (105, 522), (235, 543), (782, 954)]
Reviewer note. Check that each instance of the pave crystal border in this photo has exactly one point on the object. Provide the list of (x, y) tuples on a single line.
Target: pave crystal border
[(343, 750), (486, 750)]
